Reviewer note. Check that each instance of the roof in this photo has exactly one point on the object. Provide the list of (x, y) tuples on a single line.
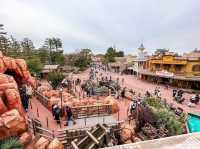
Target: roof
[(50, 67), (185, 141), (141, 46)]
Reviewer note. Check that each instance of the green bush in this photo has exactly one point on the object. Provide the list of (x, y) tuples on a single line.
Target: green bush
[(11, 143), (55, 78), (153, 102), (165, 116)]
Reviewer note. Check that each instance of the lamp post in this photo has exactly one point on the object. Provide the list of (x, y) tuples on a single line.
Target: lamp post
[(61, 100)]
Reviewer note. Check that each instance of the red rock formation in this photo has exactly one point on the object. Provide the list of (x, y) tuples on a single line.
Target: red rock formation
[(12, 123), (25, 138), (42, 143), (127, 133), (13, 72)]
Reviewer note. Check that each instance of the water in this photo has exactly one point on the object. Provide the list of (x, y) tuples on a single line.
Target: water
[(193, 122)]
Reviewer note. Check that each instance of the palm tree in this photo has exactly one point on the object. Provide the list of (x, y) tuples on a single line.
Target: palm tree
[(57, 43)]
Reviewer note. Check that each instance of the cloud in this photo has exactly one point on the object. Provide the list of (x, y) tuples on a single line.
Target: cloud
[(98, 24)]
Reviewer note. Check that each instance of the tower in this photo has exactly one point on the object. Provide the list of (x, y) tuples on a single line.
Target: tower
[(141, 48)]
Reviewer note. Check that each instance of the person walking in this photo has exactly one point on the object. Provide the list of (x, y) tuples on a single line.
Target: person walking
[(69, 114), (57, 113)]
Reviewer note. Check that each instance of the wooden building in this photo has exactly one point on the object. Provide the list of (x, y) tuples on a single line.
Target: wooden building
[(169, 68)]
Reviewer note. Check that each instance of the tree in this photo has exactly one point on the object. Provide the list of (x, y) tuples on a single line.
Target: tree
[(57, 58), (34, 64), (119, 54), (4, 42), (83, 59), (57, 43), (110, 55), (27, 45), (55, 78), (43, 55), (15, 44), (53, 43)]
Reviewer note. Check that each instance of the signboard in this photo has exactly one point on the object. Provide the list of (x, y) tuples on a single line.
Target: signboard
[(165, 73), (168, 58)]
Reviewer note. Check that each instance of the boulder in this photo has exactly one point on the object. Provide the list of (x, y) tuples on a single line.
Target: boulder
[(42, 143), (25, 138), (136, 139), (55, 144), (14, 122), (127, 133)]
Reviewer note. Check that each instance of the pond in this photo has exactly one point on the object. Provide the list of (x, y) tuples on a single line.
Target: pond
[(193, 122)]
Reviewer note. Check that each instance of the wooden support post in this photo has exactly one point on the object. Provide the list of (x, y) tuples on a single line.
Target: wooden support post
[(38, 112), (33, 124), (47, 122), (60, 124), (31, 105), (85, 120), (118, 115)]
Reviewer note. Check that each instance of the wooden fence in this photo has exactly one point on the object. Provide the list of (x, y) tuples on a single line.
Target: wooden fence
[(91, 110), (81, 111)]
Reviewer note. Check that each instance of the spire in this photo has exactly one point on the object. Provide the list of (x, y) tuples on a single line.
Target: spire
[(141, 48)]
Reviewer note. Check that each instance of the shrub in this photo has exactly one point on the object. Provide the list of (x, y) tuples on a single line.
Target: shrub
[(165, 117), (11, 143), (55, 78)]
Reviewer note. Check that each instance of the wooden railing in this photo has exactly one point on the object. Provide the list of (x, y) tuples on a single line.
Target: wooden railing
[(43, 100), (92, 110), (66, 136)]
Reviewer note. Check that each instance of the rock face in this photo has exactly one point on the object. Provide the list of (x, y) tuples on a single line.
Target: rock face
[(55, 144), (13, 72), (25, 138), (42, 143), (12, 123)]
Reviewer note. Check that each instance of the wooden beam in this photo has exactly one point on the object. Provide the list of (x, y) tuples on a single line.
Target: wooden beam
[(92, 137), (74, 145)]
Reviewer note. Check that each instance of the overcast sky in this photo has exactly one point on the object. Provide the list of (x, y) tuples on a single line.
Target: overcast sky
[(98, 24)]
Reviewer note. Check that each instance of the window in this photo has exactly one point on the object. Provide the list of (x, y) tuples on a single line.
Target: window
[(196, 68), (157, 66), (178, 68)]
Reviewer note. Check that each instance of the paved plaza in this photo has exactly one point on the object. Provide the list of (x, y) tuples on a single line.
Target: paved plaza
[(130, 82)]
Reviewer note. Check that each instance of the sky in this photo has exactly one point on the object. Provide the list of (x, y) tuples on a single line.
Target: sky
[(99, 24)]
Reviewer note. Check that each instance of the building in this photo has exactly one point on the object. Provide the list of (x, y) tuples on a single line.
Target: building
[(140, 61), (122, 64), (47, 69), (169, 68)]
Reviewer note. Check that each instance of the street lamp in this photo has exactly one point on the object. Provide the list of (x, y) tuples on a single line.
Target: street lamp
[(61, 99)]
